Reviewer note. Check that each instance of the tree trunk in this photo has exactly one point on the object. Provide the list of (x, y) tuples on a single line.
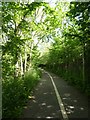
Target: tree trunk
[(31, 48), (83, 58), (87, 65), (25, 59), (21, 64), (17, 69)]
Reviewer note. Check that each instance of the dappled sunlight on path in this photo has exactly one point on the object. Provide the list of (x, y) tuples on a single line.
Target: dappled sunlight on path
[(44, 104), (76, 104), (43, 101)]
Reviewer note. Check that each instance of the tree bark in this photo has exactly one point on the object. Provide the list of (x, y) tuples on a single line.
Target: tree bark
[(17, 69), (21, 64), (87, 65), (31, 48), (25, 59), (83, 58)]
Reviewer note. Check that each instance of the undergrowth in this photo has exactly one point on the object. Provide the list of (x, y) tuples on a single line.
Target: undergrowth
[(15, 92)]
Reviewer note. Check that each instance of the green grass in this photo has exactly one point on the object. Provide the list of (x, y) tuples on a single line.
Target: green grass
[(16, 91)]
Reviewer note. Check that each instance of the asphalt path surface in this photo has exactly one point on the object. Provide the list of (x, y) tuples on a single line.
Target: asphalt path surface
[(55, 98)]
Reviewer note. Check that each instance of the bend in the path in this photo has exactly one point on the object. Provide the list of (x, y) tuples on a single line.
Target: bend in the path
[(45, 103)]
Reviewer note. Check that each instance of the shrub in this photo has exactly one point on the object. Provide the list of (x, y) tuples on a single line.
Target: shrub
[(15, 92)]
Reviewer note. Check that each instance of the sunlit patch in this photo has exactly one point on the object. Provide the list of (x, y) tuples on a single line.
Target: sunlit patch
[(67, 94), (39, 117), (49, 106), (64, 98), (70, 110), (63, 112), (44, 93), (71, 107), (55, 77), (51, 93), (61, 104), (34, 101), (43, 104), (48, 117), (81, 108), (31, 97), (53, 113), (36, 89), (75, 100), (25, 107), (40, 83)]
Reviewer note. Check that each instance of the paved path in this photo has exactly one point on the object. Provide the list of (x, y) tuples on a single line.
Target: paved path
[(54, 98)]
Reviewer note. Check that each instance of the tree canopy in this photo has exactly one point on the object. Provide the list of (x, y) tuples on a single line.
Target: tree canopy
[(58, 37)]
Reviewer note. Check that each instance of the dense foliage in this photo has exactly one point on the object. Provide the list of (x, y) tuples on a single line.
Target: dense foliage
[(19, 56), (63, 31), (16, 92), (69, 57)]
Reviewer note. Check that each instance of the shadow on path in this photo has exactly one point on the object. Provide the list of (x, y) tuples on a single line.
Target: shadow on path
[(43, 103)]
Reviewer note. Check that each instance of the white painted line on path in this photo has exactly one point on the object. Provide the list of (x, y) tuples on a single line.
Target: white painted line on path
[(61, 105)]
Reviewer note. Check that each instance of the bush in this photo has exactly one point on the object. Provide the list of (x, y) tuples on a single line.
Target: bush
[(31, 78), (16, 91)]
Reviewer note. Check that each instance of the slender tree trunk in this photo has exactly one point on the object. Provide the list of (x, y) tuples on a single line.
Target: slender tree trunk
[(25, 59), (30, 60), (83, 58), (21, 64), (17, 69), (31, 48), (87, 65)]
